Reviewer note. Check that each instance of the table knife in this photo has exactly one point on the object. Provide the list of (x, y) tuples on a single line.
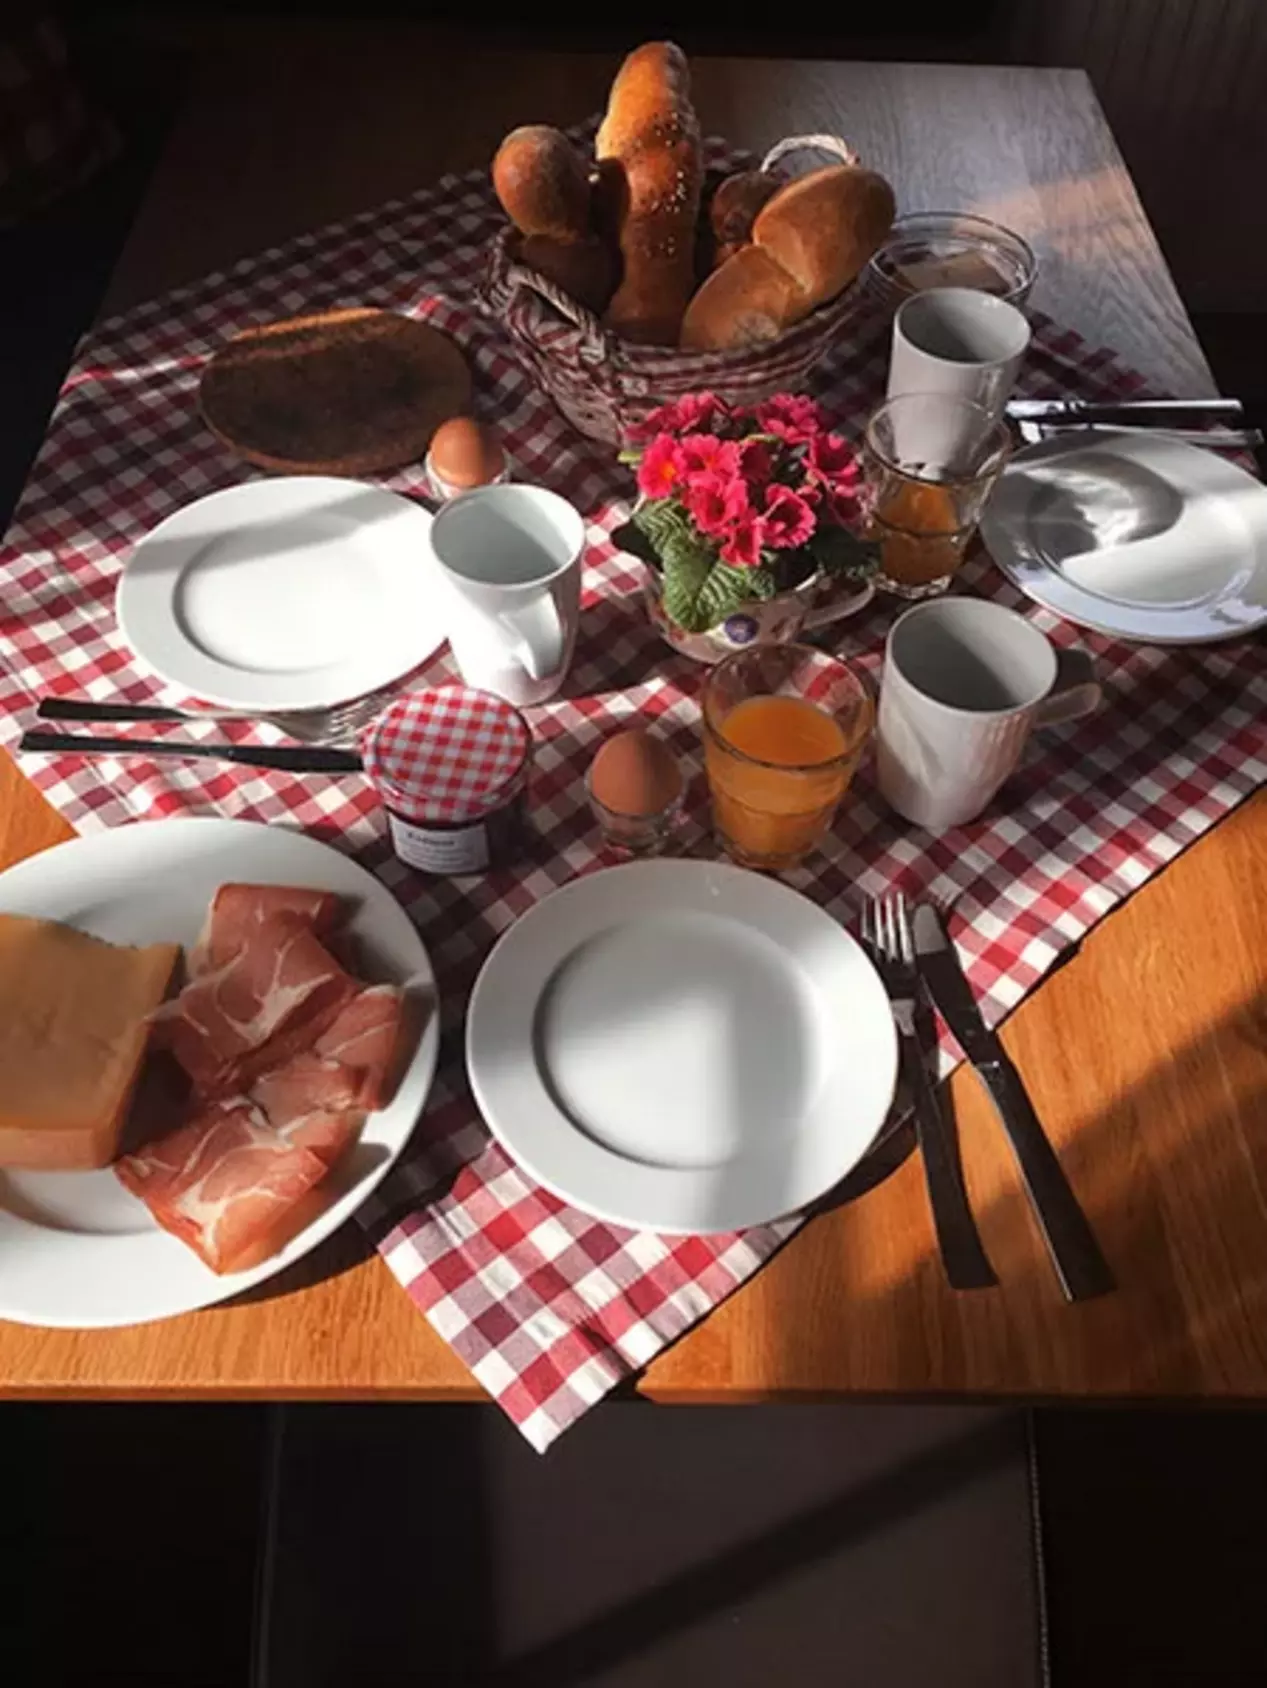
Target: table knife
[(1080, 1266), (289, 758), (1212, 439), (1105, 410)]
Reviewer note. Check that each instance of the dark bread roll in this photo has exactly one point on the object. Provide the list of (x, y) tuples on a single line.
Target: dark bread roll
[(585, 269), (824, 226), (543, 183), (747, 300), (735, 204), (648, 147)]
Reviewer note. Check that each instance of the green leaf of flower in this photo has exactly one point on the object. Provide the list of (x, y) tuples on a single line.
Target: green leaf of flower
[(760, 582), (685, 574), (664, 522), (722, 592), (630, 537), (843, 554)]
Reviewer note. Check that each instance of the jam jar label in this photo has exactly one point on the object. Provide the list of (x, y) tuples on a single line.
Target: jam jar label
[(451, 849)]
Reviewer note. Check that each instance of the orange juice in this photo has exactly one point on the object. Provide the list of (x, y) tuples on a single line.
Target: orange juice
[(777, 768), (920, 536)]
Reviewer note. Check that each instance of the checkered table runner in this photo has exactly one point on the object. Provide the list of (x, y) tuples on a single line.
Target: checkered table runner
[(549, 1308)]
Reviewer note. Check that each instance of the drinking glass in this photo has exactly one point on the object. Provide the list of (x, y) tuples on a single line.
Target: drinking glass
[(929, 463), (784, 728)]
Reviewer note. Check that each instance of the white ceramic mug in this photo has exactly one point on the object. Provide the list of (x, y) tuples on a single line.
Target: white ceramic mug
[(510, 557), (965, 683), (960, 343)]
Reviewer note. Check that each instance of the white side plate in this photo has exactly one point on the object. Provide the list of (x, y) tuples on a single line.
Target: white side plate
[(298, 592), (76, 1250), (681, 1046), (1133, 535)]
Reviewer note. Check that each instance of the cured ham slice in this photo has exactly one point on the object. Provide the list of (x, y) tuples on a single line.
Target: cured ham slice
[(238, 911), (367, 1033), (227, 1184), (313, 1101), (272, 998), (288, 1052)]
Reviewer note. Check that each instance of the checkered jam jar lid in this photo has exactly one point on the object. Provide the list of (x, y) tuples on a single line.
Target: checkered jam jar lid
[(452, 755)]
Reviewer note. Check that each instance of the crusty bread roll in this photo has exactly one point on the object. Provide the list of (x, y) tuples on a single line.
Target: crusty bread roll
[(543, 184), (815, 234), (651, 134), (584, 269), (823, 227), (735, 204), (747, 300)]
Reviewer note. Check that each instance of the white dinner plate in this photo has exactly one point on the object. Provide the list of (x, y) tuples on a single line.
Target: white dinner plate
[(681, 1046), (76, 1250), (293, 593), (1133, 535)]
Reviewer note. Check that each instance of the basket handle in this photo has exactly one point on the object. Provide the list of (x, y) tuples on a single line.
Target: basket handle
[(805, 143), (594, 346)]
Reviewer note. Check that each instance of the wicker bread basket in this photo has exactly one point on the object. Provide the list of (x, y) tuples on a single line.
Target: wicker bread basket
[(606, 385)]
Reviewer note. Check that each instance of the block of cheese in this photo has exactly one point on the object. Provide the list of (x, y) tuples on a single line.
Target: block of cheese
[(74, 1023)]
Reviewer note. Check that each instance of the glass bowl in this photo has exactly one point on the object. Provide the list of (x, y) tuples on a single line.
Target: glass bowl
[(951, 249)]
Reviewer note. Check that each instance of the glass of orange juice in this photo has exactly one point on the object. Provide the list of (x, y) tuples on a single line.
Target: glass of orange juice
[(784, 728), (930, 462)]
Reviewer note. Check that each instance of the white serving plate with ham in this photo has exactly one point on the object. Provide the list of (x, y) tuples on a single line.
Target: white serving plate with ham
[(76, 1250)]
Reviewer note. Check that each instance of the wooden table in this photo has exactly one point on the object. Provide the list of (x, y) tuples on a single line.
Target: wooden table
[(1146, 1054)]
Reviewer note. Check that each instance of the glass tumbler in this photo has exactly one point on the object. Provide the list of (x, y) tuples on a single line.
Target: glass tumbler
[(784, 728), (929, 463)]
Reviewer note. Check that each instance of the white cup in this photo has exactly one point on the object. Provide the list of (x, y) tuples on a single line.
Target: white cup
[(510, 557), (965, 683), (960, 343)]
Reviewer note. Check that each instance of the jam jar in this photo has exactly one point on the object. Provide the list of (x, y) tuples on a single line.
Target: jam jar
[(451, 766)]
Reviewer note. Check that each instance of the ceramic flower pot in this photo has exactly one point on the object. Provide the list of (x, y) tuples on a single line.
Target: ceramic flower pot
[(815, 603)]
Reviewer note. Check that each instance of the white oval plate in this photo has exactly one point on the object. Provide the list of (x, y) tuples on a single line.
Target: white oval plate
[(681, 1046), (76, 1250), (298, 592), (1140, 537)]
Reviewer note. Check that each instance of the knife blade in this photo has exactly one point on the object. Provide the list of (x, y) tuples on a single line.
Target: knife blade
[(1071, 427), (289, 758), (1104, 410), (1080, 1266)]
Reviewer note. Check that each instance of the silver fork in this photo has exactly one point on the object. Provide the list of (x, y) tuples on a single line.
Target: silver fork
[(886, 935), (335, 726)]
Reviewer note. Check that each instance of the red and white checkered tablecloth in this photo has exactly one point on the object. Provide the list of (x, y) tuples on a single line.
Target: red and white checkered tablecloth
[(550, 1309)]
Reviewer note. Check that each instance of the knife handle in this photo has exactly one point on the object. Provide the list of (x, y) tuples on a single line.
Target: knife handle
[(1080, 1266), (963, 1256), (82, 709), (290, 758)]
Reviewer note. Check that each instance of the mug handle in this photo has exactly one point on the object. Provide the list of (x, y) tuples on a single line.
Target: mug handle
[(837, 609), (1076, 692), (538, 630)]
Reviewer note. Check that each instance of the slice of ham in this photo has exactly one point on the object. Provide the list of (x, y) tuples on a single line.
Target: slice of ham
[(238, 911), (313, 1101), (288, 1052), (274, 997), (227, 1184), (367, 1033)]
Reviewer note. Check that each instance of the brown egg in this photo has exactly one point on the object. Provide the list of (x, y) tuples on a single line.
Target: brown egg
[(634, 773), (466, 453)]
